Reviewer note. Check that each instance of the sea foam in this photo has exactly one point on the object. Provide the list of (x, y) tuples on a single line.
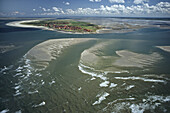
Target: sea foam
[(130, 87), (112, 85), (139, 78), (41, 104), (93, 74), (104, 84), (4, 111), (101, 98)]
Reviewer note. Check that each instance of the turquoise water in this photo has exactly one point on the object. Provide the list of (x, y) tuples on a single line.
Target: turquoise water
[(69, 84)]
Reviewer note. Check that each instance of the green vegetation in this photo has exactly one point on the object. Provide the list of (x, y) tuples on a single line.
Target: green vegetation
[(67, 25)]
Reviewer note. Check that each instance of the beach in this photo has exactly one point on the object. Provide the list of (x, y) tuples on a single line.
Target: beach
[(21, 24)]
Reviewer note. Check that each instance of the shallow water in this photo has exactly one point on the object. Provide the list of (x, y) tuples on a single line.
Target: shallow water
[(72, 84)]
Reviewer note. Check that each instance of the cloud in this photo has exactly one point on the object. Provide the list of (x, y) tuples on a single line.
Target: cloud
[(34, 9), (164, 4), (66, 3), (44, 9), (162, 8), (140, 1), (55, 9), (116, 1), (17, 13), (95, 0), (58, 10), (144, 9)]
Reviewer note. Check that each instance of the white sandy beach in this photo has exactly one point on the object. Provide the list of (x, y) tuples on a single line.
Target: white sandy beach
[(20, 24)]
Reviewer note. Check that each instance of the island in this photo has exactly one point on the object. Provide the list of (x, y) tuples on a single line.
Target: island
[(79, 26), (66, 25)]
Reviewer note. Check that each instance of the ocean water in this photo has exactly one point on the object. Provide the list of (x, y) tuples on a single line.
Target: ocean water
[(118, 72)]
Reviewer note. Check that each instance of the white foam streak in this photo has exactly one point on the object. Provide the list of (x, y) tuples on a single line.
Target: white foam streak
[(81, 68), (130, 87), (36, 91), (18, 111), (41, 104), (52, 82), (159, 98), (104, 84), (17, 93), (93, 78), (4, 111), (79, 88), (125, 99), (5, 68), (139, 78), (103, 97), (112, 85), (137, 108), (17, 87), (123, 71)]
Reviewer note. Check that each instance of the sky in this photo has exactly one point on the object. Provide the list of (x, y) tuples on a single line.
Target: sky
[(56, 8)]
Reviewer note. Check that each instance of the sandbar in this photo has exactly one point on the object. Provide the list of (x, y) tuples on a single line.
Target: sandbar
[(165, 48), (46, 51), (20, 24)]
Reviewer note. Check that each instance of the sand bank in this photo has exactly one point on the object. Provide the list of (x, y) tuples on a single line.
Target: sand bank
[(165, 48), (132, 59), (46, 51), (97, 60), (20, 24), (95, 57)]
